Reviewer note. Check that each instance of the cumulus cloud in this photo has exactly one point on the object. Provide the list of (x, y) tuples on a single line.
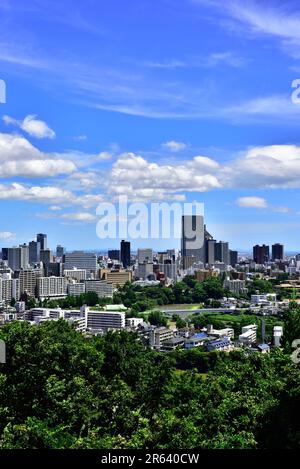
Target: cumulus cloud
[(274, 166), (46, 194), (7, 235), (32, 126), (137, 178), (172, 145), (252, 202), (18, 157)]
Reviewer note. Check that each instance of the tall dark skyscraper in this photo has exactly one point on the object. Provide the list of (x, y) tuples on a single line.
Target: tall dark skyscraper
[(4, 254), (222, 252), (261, 254), (233, 258), (277, 252), (192, 241), (42, 239), (34, 251), (125, 253)]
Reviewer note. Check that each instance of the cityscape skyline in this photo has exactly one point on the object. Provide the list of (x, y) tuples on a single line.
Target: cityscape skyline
[(175, 120)]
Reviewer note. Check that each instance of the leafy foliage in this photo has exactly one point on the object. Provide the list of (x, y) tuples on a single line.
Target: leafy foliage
[(59, 389)]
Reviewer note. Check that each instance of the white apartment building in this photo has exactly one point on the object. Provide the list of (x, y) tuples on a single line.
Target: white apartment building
[(133, 322), (75, 288), (51, 287), (76, 274), (101, 287), (248, 335), (226, 332), (265, 298), (9, 288), (103, 320)]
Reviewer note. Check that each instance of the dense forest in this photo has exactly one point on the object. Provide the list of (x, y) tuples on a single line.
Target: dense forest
[(60, 389)]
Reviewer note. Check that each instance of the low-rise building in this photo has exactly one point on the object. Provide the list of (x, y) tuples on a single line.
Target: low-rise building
[(248, 335), (195, 340), (158, 335), (117, 277), (224, 344)]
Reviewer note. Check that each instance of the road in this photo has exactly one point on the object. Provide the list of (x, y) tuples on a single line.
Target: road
[(188, 312)]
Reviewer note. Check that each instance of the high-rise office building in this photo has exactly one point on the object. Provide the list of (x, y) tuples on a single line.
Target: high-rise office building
[(114, 254), (60, 250), (125, 253), (233, 258), (46, 256), (4, 254), (53, 269), (192, 241), (222, 252), (277, 252), (210, 251), (42, 239), (34, 251), (18, 257), (261, 254), (145, 255), (81, 260)]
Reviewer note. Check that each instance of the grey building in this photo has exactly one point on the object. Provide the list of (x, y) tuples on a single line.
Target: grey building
[(81, 260), (18, 257), (192, 240), (222, 252)]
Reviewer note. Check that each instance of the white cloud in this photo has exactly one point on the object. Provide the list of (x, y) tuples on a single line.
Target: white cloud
[(172, 145), (46, 194), (212, 60), (252, 202), (7, 235), (18, 157), (274, 166), (79, 216), (104, 155), (135, 177), (80, 138), (277, 19), (31, 125)]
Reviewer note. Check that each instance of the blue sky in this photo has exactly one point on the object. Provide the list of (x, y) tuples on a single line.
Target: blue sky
[(169, 100)]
